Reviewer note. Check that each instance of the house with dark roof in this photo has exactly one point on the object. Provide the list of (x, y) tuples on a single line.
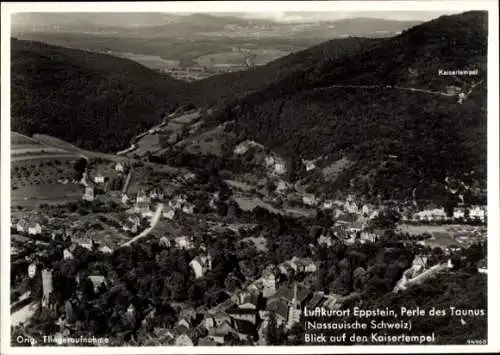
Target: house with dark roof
[(98, 281), (248, 314), (280, 309), (219, 334), (245, 330), (288, 293), (317, 300)]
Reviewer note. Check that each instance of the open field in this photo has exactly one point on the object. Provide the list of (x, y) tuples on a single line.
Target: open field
[(150, 61), (21, 139), (443, 235), (150, 142), (209, 142), (249, 203), (34, 195), (331, 172), (187, 118), (228, 58)]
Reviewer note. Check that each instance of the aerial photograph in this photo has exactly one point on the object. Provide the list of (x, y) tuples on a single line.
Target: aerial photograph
[(248, 179)]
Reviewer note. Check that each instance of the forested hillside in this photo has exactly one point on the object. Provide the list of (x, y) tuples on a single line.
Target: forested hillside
[(93, 100), (227, 87), (361, 107)]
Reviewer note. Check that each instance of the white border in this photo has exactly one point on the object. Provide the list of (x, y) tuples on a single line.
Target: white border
[(256, 6)]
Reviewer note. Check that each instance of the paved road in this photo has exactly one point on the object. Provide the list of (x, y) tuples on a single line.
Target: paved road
[(402, 88), (144, 233)]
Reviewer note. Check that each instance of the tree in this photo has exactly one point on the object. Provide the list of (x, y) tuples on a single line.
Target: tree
[(80, 166)]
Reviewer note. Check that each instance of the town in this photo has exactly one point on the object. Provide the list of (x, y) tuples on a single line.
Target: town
[(126, 205)]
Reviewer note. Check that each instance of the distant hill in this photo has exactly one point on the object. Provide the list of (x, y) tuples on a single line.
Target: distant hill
[(95, 101), (226, 87), (397, 139)]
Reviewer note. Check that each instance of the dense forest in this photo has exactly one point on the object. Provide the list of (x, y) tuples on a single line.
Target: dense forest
[(395, 140), (95, 101), (157, 280)]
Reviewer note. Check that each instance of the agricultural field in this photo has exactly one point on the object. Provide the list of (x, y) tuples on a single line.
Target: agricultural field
[(249, 203), (188, 118), (209, 142), (34, 195), (150, 142), (331, 172), (221, 58), (444, 235)]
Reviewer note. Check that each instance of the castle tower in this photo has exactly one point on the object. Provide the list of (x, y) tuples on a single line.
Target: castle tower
[(269, 283), (48, 287), (294, 309)]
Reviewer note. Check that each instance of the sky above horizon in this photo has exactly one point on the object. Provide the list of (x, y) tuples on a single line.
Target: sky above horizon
[(337, 15)]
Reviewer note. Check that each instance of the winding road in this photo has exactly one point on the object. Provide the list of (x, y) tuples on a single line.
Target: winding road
[(402, 88)]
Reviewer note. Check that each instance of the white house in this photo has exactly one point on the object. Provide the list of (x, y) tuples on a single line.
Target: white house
[(328, 204), (351, 206), (269, 284), (183, 242), (269, 160), (105, 249), (200, 265), (458, 213), (142, 197), (188, 208), (279, 168), (309, 200), (241, 149), (309, 164), (325, 240), (125, 199), (89, 194), (309, 265), (67, 255), (184, 340), (373, 215), (477, 212), (34, 229), (164, 242), (282, 187), (365, 210), (436, 214), (420, 261), (22, 226), (119, 167), (99, 179), (169, 213)]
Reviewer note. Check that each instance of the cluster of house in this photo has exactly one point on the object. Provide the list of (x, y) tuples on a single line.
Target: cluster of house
[(32, 227), (342, 207), (98, 179), (273, 163), (68, 252), (459, 213), (246, 313), (348, 233)]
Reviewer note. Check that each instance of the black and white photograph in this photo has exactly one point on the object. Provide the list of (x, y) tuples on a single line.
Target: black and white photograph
[(216, 176)]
